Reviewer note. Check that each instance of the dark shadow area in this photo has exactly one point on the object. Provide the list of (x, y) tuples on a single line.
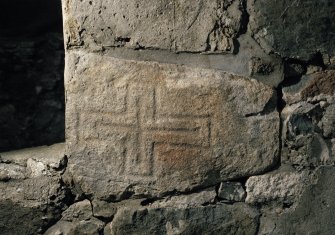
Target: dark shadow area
[(31, 73)]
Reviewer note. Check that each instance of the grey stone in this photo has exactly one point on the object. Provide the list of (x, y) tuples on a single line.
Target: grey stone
[(35, 203), (297, 29), (327, 122), (102, 209), (77, 220), (216, 219), (52, 157), (190, 200), (231, 191), (153, 128), (92, 226), (196, 26), (313, 69), (308, 130), (106, 210), (313, 214), (11, 171), (281, 187), (31, 192), (79, 211), (239, 64)]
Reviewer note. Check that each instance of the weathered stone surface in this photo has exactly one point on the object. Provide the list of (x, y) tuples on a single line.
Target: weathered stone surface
[(153, 128), (30, 189), (218, 219), (280, 187), (190, 200), (102, 209), (231, 191), (10, 171), (238, 64), (314, 213), (35, 202), (77, 220), (44, 160), (196, 26), (308, 132), (309, 86), (79, 211), (296, 29), (329, 61)]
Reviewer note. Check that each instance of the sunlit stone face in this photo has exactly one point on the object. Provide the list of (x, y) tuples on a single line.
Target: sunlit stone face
[(152, 128)]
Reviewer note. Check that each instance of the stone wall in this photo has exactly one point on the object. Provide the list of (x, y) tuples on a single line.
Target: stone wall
[(202, 117)]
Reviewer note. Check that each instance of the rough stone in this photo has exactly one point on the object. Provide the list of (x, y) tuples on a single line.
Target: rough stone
[(281, 187), (77, 220), (238, 64), (327, 122), (102, 209), (218, 219), (313, 214), (310, 85), (196, 26), (308, 132), (153, 128), (50, 158), (79, 211), (231, 191), (33, 197), (191, 200), (296, 29), (92, 226), (10, 171)]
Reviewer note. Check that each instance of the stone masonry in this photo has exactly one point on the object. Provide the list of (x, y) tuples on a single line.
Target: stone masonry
[(186, 117)]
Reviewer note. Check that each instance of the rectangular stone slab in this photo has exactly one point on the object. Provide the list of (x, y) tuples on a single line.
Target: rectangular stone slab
[(177, 25), (149, 128)]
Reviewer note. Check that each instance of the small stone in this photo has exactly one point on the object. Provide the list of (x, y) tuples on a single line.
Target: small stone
[(257, 66), (85, 227), (328, 122), (79, 211), (191, 200), (280, 187), (35, 168), (232, 191), (313, 69), (11, 171), (103, 209)]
